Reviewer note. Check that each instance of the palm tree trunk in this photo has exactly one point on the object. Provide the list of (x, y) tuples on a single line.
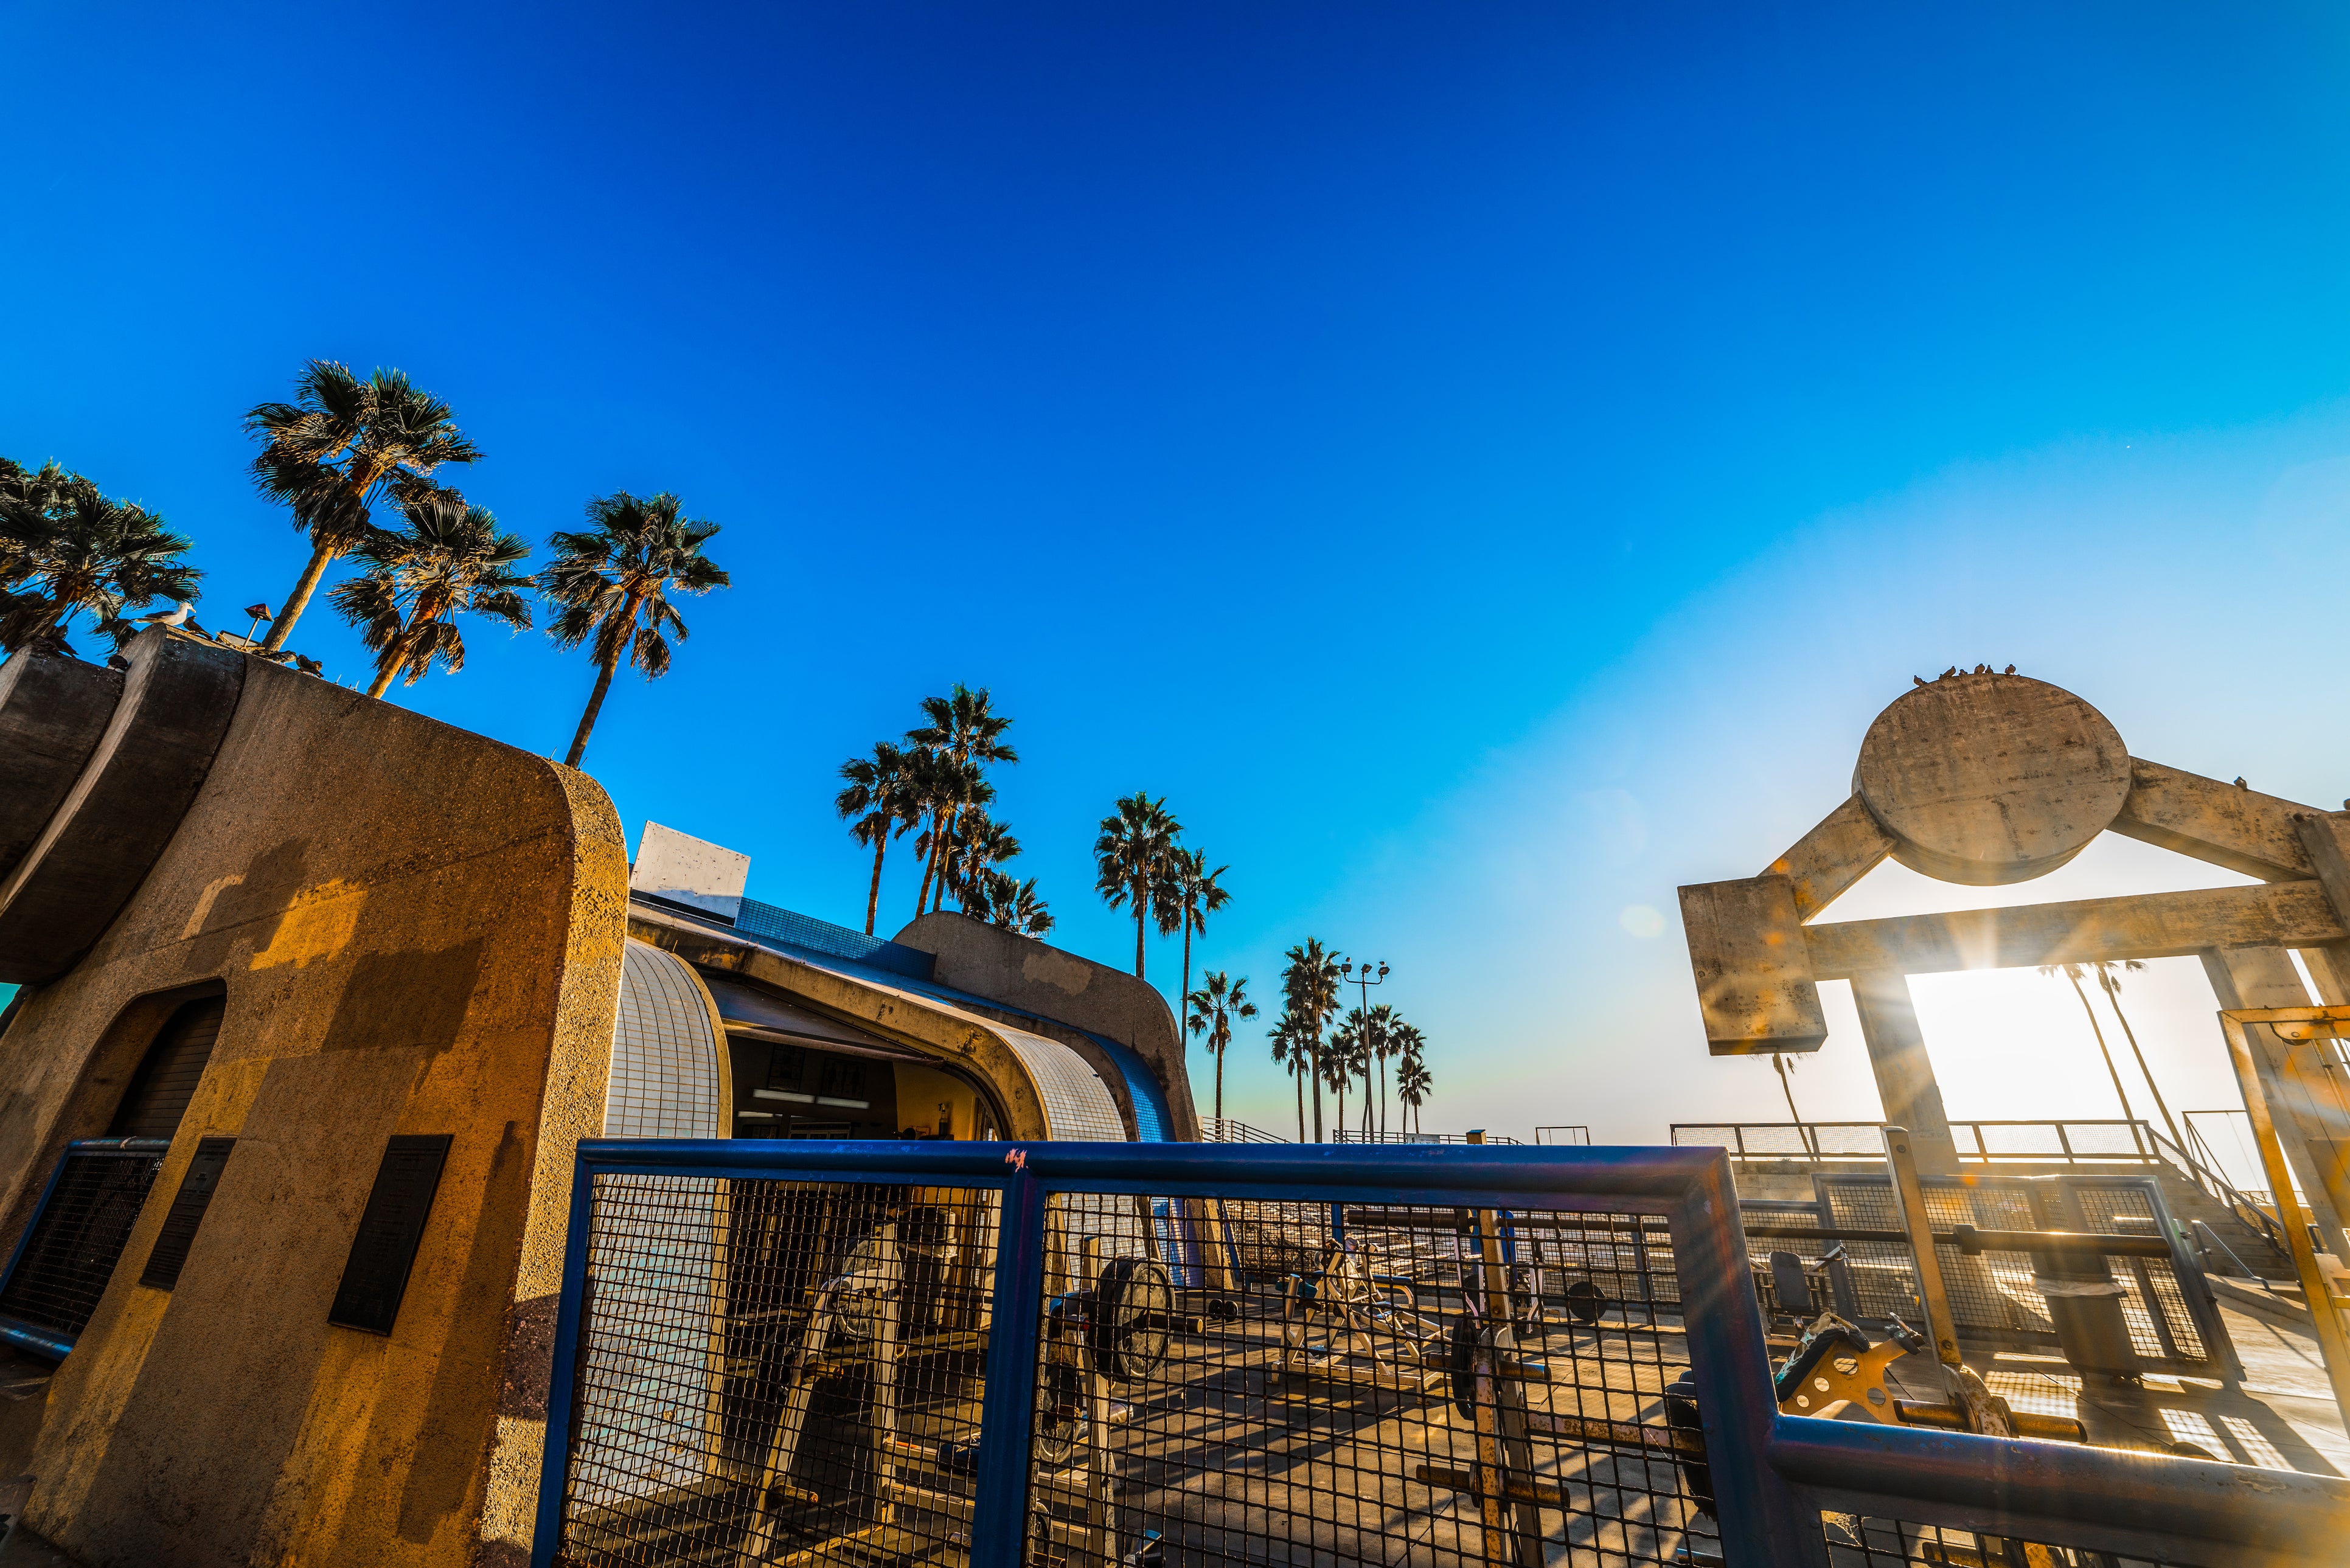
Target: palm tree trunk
[(299, 599), (930, 866), (595, 706), (2145, 1070), (1313, 1062), (2111, 1071), (1301, 1098), (383, 674), (1220, 1085), (1141, 912), (873, 899), (1183, 997), (946, 836)]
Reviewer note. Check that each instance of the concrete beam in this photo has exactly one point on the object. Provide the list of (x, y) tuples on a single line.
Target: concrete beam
[(1847, 846), (177, 701), (2307, 1109), (1904, 1073), (2252, 834), (2161, 925), (1754, 982), (52, 713)]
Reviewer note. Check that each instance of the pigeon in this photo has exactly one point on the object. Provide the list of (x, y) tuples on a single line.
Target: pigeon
[(1945, 674), (116, 662), (1917, 680), (1982, 670), (2240, 784), (306, 665), (2010, 670)]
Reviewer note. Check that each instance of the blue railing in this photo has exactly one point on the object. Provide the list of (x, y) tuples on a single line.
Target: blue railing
[(673, 1337)]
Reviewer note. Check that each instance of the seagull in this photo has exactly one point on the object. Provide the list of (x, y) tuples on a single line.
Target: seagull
[(168, 618)]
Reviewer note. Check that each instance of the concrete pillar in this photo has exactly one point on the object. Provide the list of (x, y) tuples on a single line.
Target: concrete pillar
[(1905, 1074), (2311, 1119)]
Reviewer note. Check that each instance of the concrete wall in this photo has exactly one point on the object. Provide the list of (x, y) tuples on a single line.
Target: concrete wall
[(417, 930), (1022, 972)]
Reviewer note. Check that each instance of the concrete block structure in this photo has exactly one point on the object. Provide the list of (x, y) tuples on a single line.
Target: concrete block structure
[(336, 989)]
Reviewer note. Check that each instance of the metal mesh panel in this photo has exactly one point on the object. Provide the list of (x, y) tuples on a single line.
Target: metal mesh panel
[(1856, 1541), (777, 1371), (78, 1236), (1356, 1406), (1993, 1296)]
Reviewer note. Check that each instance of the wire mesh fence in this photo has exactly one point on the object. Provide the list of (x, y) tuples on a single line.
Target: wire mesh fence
[(78, 1234), (1360, 1403), (1121, 1357)]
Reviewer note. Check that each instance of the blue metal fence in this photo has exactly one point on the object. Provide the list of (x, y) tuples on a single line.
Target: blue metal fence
[(879, 1351)]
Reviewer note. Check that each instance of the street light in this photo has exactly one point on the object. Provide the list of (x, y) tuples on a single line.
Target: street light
[(1362, 982)]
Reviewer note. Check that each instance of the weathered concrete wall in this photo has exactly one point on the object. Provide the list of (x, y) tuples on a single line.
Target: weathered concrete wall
[(52, 713), (417, 930), (1024, 973)]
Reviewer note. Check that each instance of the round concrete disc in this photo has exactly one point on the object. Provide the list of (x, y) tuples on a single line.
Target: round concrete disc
[(1986, 779)]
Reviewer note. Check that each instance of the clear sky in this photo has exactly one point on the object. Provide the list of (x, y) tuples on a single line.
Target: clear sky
[(1483, 465)]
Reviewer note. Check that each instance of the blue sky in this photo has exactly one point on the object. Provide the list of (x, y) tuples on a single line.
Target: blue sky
[(1483, 465)]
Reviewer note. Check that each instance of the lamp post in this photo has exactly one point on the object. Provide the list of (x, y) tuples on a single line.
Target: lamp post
[(1363, 982)]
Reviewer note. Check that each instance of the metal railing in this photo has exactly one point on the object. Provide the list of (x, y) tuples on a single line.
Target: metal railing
[(1224, 1129), (2091, 1142), (1114, 1355), (1344, 1135), (1564, 1133)]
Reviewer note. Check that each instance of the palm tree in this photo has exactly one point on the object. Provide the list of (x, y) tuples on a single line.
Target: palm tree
[(1187, 896), (635, 552), (2072, 971), (966, 734), (1131, 857), (979, 845), (2110, 982), (450, 560), (1380, 1027), (1293, 1056), (877, 798), (1212, 1011), (944, 788), (1346, 1055), (1309, 986), (1411, 1073), (338, 446), (1001, 899), (72, 551)]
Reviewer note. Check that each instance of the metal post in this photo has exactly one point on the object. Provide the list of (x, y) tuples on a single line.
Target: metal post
[(2290, 1217), (1909, 1197)]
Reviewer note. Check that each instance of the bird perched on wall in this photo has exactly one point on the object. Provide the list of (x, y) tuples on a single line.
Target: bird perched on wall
[(306, 665), (2240, 784), (1945, 674), (2009, 670), (1917, 680), (185, 616)]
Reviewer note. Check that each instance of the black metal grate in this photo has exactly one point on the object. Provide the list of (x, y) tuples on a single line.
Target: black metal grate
[(1358, 1406), (778, 1372), (78, 1234), (1854, 1540)]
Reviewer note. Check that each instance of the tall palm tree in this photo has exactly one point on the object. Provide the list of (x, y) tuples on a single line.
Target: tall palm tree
[(2072, 971), (1295, 1056), (1187, 894), (979, 845), (1131, 858), (1003, 899), (636, 551), (1309, 987), (1212, 1011), (339, 445), (451, 559), (72, 551), (944, 789), (965, 732), (877, 798), (1381, 1030), (1411, 1073), (1347, 1056), (2109, 980)]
